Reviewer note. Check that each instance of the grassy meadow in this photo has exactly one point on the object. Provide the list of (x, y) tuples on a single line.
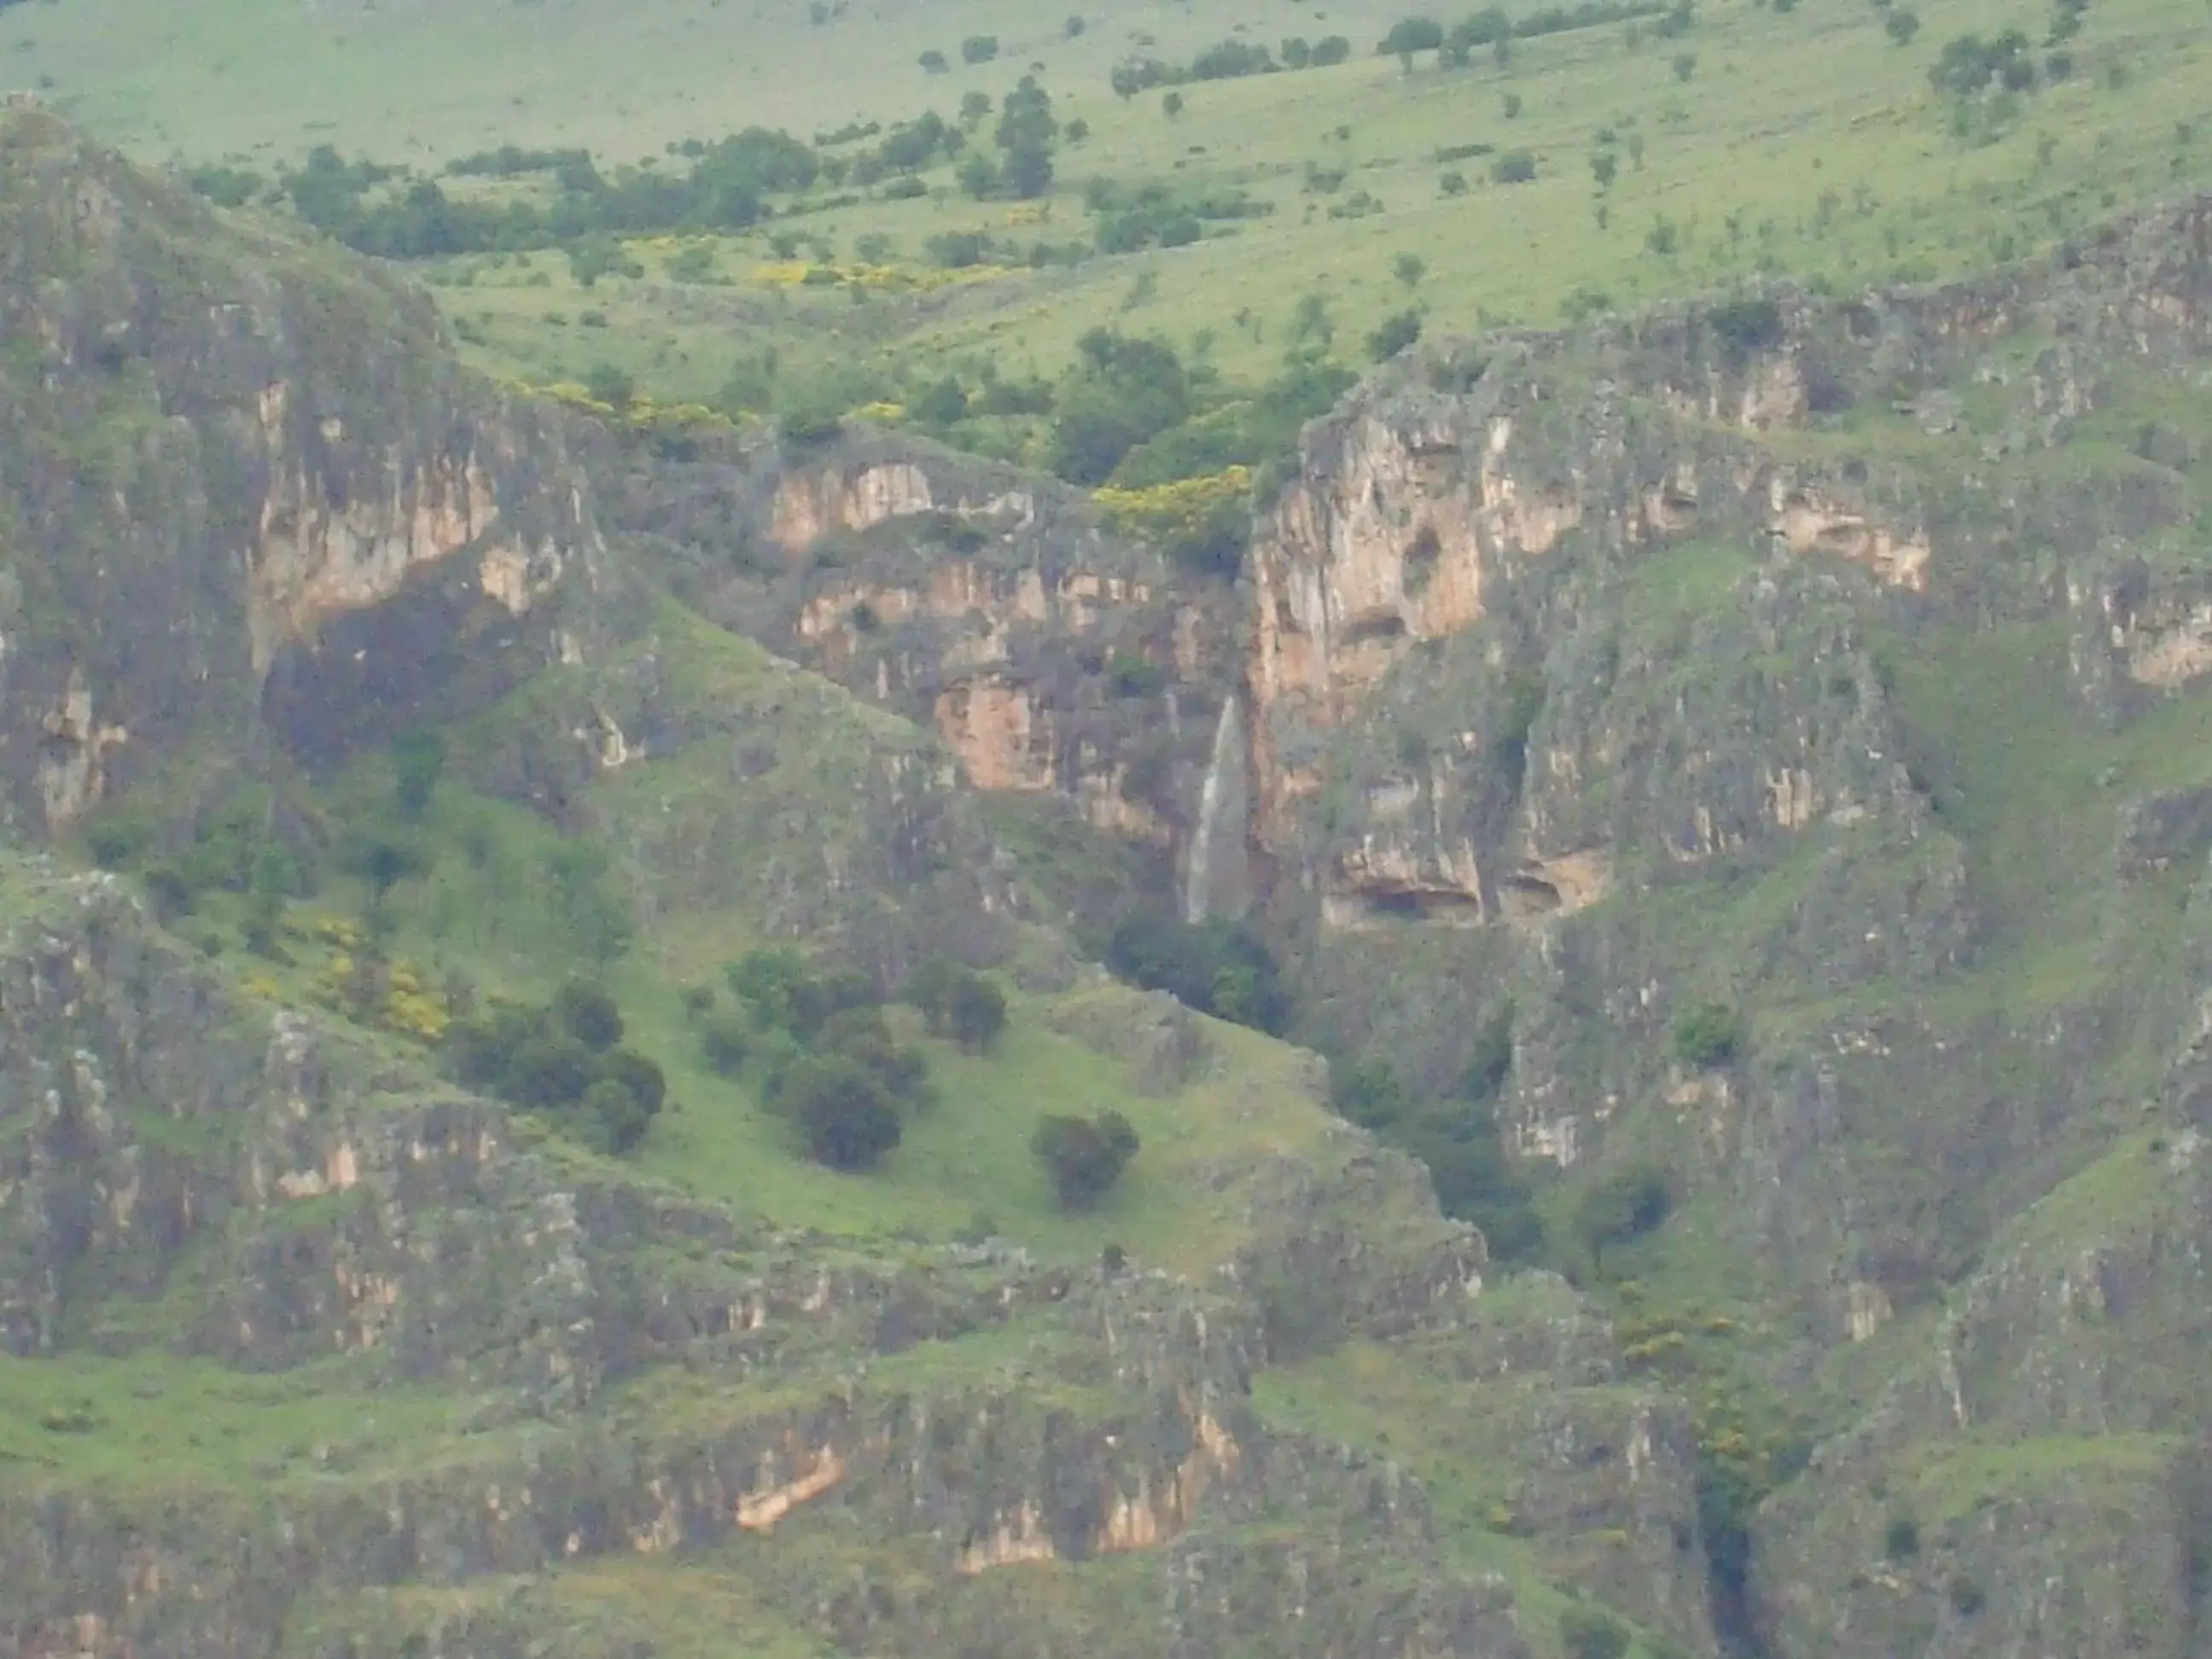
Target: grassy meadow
[(1805, 142)]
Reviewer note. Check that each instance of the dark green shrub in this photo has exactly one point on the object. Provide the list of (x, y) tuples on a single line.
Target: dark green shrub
[(845, 1119), (611, 1119), (862, 1036), (1586, 1633), (641, 1078), (588, 1014), (113, 843), (1753, 324), (1708, 1036), (1083, 1158), (1491, 1063), (417, 759), (1132, 675), (725, 1040), (1367, 1091), (1900, 1539), (550, 1070), (168, 892), (1394, 335), (1621, 1205), (958, 1003), (1515, 166), (766, 982), (1217, 968)]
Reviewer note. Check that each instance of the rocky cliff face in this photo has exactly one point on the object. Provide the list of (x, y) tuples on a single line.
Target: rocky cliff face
[(1837, 664), (248, 509), (1056, 659)]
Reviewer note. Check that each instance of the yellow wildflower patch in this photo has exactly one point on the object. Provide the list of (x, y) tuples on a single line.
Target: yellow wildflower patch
[(1172, 510)]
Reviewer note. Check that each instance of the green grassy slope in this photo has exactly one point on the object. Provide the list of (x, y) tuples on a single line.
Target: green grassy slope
[(1803, 141)]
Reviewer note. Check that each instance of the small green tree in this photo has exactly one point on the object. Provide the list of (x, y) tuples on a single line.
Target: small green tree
[(1686, 65), (587, 1013), (1624, 1205), (1409, 269), (418, 758), (1605, 167), (384, 860), (1367, 1091), (1707, 1035), (611, 1119), (1172, 104), (1900, 1539), (979, 174), (1587, 1633), (958, 1002), (978, 1015), (1901, 24), (725, 1040), (1409, 35), (933, 62), (843, 1115), (1393, 335), (979, 49), (641, 1076), (614, 387), (1510, 106), (1083, 1158), (577, 871), (973, 106), (549, 1071), (1515, 166), (766, 982)]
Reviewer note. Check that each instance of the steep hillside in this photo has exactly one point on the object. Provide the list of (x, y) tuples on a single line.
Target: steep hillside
[(383, 699), (1753, 754), (1727, 788)]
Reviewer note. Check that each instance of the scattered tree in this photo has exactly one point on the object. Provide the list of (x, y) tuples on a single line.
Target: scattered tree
[(1393, 335), (725, 1040), (1409, 269), (1409, 35), (418, 758), (979, 49), (1083, 1158), (587, 1013), (1587, 1633), (1707, 1035), (958, 1002), (1901, 24), (1622, 1206), (847, 1119), (1172, 104)]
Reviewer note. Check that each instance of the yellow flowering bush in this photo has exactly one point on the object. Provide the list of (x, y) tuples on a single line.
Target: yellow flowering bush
[(1176, 512)]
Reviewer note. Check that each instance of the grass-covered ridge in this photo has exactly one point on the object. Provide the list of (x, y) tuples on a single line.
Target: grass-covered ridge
[(1806, 141)]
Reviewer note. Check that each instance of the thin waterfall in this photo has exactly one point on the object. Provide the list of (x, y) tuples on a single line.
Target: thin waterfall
[(1214, 878)]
